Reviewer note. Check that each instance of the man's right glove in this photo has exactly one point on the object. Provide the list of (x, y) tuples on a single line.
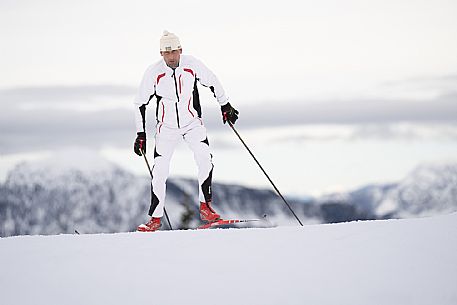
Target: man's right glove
[(229, 113), (140, 143)]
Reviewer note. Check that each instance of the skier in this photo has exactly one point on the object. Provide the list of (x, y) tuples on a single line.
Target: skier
[(173, 82)]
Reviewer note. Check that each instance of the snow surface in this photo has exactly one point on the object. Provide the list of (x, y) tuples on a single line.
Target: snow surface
[(409, 261)]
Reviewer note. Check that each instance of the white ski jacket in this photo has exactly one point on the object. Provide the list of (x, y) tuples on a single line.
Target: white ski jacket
[(178, 102)]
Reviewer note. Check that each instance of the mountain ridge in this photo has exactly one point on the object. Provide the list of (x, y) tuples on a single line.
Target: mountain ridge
[(95, 195)]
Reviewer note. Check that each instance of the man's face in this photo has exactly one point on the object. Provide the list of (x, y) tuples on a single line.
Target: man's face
[(171, 57)]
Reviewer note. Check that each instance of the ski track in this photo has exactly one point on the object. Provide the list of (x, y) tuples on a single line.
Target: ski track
[(409, 261)]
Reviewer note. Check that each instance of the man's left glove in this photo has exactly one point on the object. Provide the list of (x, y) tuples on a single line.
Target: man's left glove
[(229, 113), (140, 143)]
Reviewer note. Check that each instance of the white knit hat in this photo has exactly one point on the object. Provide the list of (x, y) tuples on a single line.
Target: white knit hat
[(169, 42)]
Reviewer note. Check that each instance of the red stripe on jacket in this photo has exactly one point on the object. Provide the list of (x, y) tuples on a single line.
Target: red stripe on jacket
[(163, 111), (159, 77), (188, 108), (180, 83), (190, 71)]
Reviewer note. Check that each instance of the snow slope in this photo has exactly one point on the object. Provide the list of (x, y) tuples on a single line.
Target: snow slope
[(410, 261)]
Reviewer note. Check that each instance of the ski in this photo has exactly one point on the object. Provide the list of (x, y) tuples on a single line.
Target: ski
[(212, 224), (222, 222), (208, 225)]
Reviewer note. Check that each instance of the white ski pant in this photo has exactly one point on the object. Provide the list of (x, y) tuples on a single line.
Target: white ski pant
[(166, 140)]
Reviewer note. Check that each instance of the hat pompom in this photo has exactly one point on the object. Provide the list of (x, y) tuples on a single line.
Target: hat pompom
[(169, 42)]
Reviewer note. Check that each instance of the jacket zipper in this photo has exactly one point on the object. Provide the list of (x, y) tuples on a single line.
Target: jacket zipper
[(177, 95)]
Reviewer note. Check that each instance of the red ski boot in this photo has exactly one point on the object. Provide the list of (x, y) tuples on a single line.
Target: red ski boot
[(152, 225), (207, 213)]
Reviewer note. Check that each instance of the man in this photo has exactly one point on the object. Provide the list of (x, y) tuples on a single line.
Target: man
[(173, 82)]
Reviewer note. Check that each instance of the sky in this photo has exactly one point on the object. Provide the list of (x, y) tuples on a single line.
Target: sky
[(332, 94)]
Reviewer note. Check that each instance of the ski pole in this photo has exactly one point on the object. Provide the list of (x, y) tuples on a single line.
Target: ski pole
[(150, 172), (266, 175)]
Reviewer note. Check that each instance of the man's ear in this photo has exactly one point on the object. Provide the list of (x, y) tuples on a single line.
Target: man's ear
[(180, 51), (161, 53)]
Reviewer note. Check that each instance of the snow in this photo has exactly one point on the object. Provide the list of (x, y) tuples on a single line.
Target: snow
[(410, 261)]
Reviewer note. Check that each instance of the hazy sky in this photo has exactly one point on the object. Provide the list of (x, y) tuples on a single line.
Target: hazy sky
[(259, 49), (356, 78)]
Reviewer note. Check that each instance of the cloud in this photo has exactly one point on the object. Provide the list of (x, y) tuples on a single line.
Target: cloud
[(419, 100), (419, 88), (111, 122), (359, 111), (37, 130), (51, 117), (405, 132), (443, 81), (59, 94)]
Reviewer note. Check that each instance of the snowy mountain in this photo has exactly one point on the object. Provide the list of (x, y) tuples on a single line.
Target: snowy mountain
[(81, 190), (430, 189), (58, 194), (408, 261)]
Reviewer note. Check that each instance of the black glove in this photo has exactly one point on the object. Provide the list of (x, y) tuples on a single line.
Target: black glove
[(229, 113), (140, 143)]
